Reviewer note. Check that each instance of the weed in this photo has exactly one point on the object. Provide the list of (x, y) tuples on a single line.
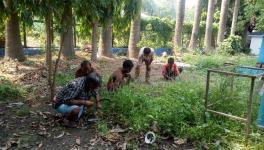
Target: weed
[(102, 128), (63, 78), (9, 91), (21, 111)]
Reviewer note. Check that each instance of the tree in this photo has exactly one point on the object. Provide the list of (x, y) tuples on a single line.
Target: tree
[(110, 9), (196, 25), (222, 23), (209, 26), (67, 31), (235, 15), (105, 44), (135, 7), (13, 46), (89, 18), (180, 7)]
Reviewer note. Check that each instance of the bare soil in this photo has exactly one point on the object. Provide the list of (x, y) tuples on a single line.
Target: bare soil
[(33, 124)]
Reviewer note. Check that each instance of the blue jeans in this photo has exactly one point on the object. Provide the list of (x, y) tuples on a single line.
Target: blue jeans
[(66, 109), (260, 120)]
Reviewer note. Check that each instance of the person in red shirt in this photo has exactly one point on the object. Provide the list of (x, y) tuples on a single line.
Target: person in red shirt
[(170, 70)]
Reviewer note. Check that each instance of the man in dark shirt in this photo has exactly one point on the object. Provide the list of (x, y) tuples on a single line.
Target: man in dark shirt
[(76, 95)]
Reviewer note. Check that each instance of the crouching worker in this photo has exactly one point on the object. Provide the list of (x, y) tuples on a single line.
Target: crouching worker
[(170, 70), (146, 55), (121, 76), (76, 95), (85, 69)]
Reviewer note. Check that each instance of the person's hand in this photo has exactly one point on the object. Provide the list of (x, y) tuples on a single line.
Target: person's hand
[(98, 106), (88, 103)]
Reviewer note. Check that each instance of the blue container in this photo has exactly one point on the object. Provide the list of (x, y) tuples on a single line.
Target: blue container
[(159, 51), (261, 52), (260, 120)]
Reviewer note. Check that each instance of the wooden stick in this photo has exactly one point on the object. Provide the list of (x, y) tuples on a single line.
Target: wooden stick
[(231, 73), (227, 115), (249, 110), (206, 92)]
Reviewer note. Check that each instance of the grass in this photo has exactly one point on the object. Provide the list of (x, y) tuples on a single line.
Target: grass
[(10, 91), (214, 61), (178, 106), (21, 111), (63, 78)]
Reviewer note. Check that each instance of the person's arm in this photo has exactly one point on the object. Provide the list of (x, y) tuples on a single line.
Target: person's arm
[(164, 72), (110, 83), (177, 70)]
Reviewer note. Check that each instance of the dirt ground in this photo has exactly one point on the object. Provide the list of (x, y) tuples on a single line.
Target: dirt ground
[(33, 124)]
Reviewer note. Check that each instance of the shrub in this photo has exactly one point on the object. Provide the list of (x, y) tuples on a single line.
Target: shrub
[(231, 45), (9, 91)]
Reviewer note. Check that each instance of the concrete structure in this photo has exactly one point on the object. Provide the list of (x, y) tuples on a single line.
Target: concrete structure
[(257, 38)]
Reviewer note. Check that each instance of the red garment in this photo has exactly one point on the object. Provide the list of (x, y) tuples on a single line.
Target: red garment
[(173, 70)]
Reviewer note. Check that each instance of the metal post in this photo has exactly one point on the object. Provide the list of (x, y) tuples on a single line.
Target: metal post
[(206, 93), (249, 110)]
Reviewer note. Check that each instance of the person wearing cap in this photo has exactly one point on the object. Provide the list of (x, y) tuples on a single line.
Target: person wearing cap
[(76, 95), (146, 55)]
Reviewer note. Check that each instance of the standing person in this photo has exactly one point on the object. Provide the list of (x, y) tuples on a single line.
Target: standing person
[(170, 70), (146, 55), (76, 95), (120, 76)]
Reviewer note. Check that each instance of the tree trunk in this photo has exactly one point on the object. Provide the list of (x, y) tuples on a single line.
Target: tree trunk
[(24, 35), (180, 8), (245, 34), (134, 36), (209, 26), (235, 15), (94, 42), (196, 25), (67, 33), (105, 48), (13, 45), (222, 23), (74, 32), (48, 28)]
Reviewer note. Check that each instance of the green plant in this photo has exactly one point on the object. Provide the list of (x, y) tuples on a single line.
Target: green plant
[(9, 91), (102, 128), (63, 78), (232, 45), (21, 111)]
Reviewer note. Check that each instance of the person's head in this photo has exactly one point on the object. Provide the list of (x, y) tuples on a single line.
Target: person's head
[(92, 81), (86, 65), (146, 51), (127, 66), (171, 61)]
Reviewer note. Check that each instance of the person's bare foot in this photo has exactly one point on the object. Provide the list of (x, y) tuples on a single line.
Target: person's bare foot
[(69, 124)]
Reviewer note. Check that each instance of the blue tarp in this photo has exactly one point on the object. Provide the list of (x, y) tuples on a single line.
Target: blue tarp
[(248, 71), (29, 51), (158, 51), (260, 120), (118, 51)]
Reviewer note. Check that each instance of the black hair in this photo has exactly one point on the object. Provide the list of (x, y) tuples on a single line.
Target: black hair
[(85, 62), (171, 59), (128, 64), (92, 78), (147, 50)]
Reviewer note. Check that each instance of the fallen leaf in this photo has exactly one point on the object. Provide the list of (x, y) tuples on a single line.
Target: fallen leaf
[(59, 136), (78, 141), (118, 130), (124, 146), (180, 141), (40, 145)]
